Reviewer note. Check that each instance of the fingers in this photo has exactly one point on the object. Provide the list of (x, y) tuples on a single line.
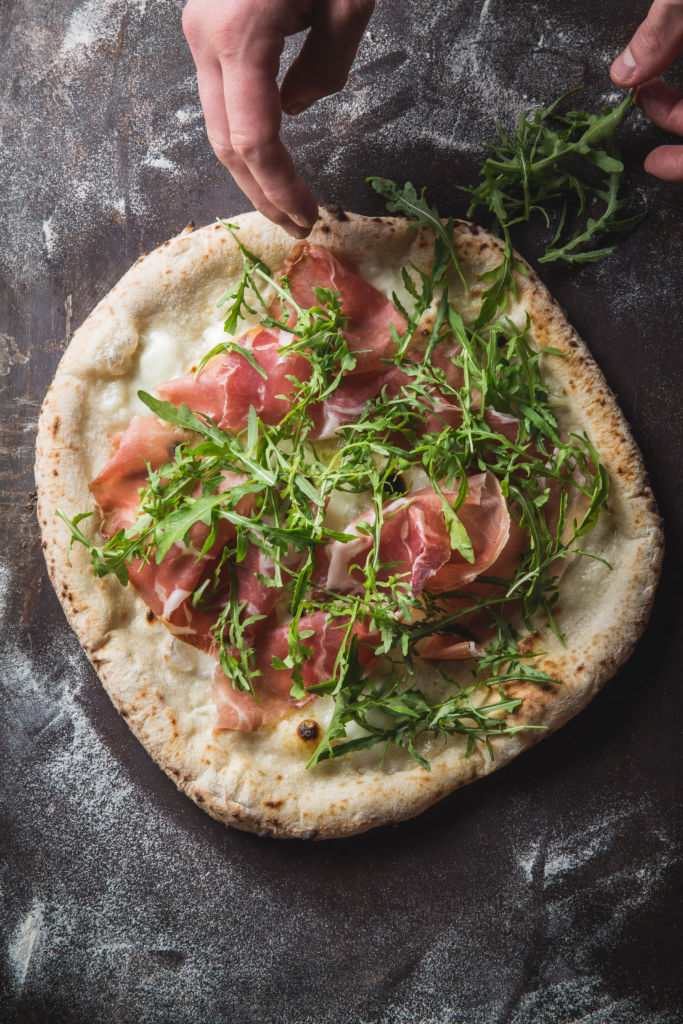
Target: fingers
[(666, 162), (662, 104), (237, 57), (252, 104), (325, 60), (210, 81), (657, 42)]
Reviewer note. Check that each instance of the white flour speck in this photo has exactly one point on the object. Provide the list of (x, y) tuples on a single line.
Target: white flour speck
[(49, 235), (162, 162), (528, 860), (26, 942)]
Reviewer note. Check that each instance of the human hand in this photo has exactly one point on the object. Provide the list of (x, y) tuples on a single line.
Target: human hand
[(236, 45), (657, 42)]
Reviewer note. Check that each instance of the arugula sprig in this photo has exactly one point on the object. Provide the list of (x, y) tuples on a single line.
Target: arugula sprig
[(415, 207), (541, 169), (388, 713)]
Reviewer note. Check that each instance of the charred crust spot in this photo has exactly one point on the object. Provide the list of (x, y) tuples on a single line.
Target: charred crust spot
[(44, 545), (547, 687), (339, 213), (123, 713), (308, 730), (378, 220), (272, 803), (55, 426), (573, 344), (199, 798), (482, 247), (150, 616), (526, 644), (326, 228), (580, 668), (472, 228), (55, 473)]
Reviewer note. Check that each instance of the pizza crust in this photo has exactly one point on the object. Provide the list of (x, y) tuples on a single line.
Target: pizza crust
[(257, 781)]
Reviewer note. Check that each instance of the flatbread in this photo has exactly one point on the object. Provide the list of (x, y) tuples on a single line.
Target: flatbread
[(162, 687)]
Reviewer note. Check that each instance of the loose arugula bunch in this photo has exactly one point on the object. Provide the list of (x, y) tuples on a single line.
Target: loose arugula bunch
[(541, 168), (289, 479)]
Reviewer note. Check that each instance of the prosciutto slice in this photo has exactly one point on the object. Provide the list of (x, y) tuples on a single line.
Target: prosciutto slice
[(228, 385), (166, 587), (238, 710), (414, 539), (116, 489), (371, 315), (485, 516)]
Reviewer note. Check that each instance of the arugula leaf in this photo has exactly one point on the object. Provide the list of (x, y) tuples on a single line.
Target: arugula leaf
[(534, 170), (406, 201)]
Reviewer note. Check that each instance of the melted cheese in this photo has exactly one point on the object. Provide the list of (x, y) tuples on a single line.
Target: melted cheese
[(161, 357)]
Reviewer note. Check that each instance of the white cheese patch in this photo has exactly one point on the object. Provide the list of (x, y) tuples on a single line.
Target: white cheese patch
[(113, 403), (162, 357), (214, 335)]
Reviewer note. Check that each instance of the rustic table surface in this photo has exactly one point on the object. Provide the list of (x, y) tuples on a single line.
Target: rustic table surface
[(544, 893)]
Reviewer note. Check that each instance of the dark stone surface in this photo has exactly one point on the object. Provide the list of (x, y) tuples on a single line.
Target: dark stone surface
[(545, 893)]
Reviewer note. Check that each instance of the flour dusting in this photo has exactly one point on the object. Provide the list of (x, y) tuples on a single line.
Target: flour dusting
[(26, 941), (92, 23)]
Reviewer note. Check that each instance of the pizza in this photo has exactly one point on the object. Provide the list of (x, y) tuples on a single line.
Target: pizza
[(341, 525)]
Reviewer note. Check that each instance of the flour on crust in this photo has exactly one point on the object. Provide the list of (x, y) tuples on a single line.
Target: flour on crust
[(257, 781)]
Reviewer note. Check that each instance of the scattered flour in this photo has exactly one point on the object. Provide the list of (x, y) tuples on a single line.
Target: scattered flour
[(49, 236), (26, 942), (159, 161), (93, 23)]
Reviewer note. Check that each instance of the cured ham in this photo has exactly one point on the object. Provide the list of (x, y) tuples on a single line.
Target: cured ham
[(415, 540), (485, 516), (371, 315), (237, 709), (166, 586), (229, 384), (116, 489)]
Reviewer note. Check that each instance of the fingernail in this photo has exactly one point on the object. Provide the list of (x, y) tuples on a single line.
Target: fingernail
[(300, 221), (624, 65)]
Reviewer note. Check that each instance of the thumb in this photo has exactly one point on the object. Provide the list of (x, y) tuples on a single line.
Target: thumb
[(325, 60), (657, 42)]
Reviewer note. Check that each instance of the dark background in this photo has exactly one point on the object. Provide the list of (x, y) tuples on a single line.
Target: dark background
[(545, 893)]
